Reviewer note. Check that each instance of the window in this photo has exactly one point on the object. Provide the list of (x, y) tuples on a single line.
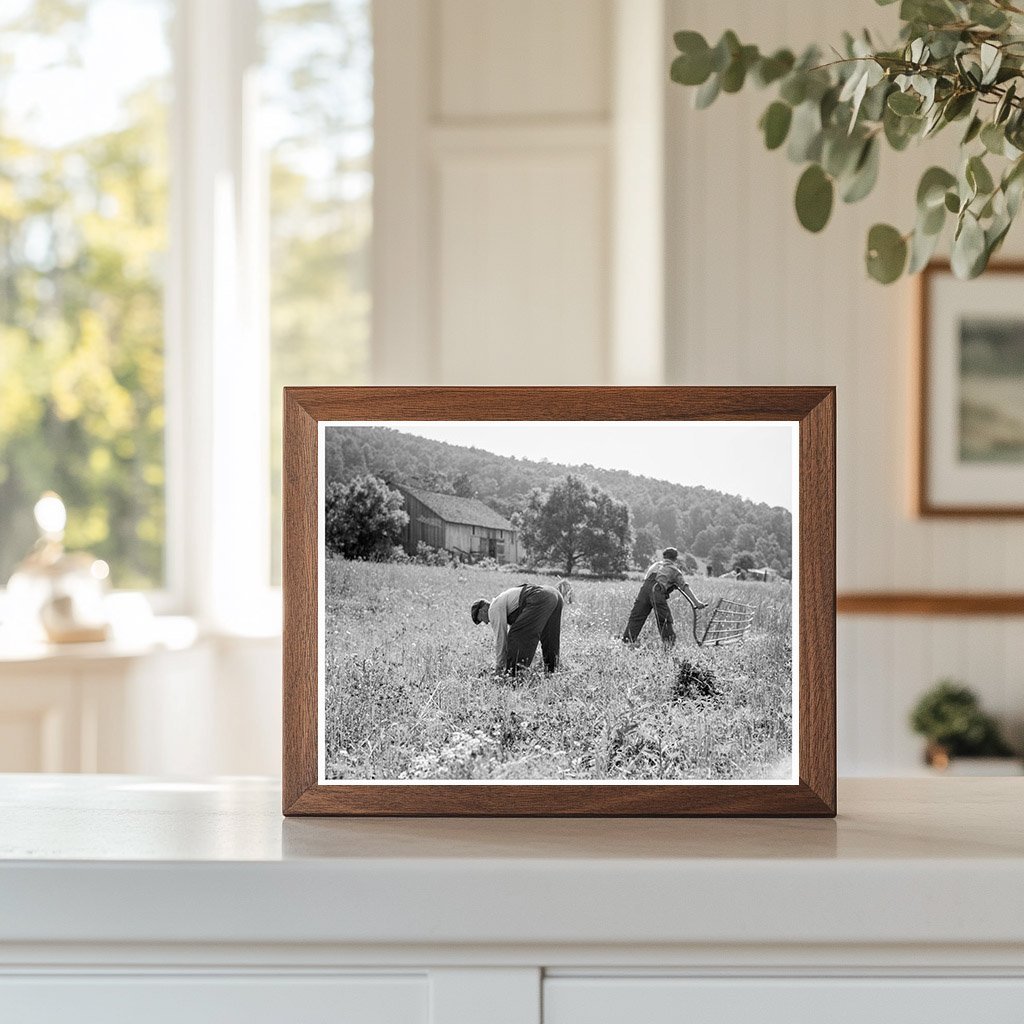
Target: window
[(317, 118), (83, 236), (250, 192)]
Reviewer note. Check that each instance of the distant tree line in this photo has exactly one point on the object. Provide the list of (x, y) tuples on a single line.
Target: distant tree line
[(631, 517)]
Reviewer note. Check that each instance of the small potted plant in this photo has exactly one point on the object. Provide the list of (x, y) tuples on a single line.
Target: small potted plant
[(950, 718)]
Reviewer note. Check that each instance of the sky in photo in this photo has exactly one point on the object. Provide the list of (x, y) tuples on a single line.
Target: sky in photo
[(753, 459)]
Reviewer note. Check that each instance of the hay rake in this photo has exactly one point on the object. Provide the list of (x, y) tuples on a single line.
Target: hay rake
[(728, 624)]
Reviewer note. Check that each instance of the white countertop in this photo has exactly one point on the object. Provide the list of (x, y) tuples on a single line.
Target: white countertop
[(122, 859)]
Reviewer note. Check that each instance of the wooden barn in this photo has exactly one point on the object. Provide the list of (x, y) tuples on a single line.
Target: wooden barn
[(465, 526)]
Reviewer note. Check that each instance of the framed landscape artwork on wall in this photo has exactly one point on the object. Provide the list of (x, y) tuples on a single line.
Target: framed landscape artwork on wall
[(970, 445), (559, 601)]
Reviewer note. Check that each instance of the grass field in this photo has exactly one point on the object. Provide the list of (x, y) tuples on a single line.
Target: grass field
[(410, 691)]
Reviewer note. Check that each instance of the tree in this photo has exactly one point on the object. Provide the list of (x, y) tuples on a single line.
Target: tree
[(573, 524), (718, 559), (690, 563), (703, 543), (363, 519), (744, 560), (667, 517), (767, 552), (462, 485), (645, 546), (607, 535)]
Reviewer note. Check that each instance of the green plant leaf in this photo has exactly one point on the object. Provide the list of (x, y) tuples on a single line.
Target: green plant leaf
[(987, 15), (993, 138), (735, 74), (814, 195), (693, 65), (991, 61), (725, 49), (978, 176), (904, 103), (968, 255), (973, 130), (707, 93), (958, 106), (771, 69), (1005, 104), (900, 130), (922, 247), (794, 89), (931, 191), (775, 124), (805, 133), (839, 151), (865, 173), (886, 254)]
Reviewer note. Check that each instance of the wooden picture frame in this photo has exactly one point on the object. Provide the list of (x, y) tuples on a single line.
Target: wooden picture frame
[(940, 489), (810, 791)]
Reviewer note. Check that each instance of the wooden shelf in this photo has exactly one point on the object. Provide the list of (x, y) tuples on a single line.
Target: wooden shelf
[(928, 603)]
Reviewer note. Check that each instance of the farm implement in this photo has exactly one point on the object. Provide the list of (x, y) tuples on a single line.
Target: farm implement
[(728, 623)]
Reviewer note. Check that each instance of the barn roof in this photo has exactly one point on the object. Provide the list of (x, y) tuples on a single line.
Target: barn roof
[(453, 509)]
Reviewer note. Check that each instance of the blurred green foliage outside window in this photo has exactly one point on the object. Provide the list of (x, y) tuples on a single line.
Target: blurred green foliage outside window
[(317, 118), (83, 236)]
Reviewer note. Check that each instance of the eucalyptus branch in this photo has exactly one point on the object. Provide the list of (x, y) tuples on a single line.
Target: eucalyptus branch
[(953, 60)]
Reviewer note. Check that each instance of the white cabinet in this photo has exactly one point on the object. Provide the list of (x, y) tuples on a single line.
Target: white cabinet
[(673, 1000), (133, 899), (201, 999)]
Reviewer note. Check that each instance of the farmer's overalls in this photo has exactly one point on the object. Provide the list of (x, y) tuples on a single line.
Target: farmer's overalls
[(538, 619)]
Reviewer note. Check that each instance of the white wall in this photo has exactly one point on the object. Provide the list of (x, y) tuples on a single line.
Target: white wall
[(542, 189), (754, 299)]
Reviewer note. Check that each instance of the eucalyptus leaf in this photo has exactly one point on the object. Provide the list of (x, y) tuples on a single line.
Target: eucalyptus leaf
[(814, 195), (904, 103), (805, 133), (724, 51), (922, 248), (886, 253), (978, 176), (932, 221), (735, 74), (987, 15), (865, 173), (993, 138), (968, 247), (775, 124), (991, 60), (1005, 105), (955, 60), (707, 93), (771, 69), (931, 190), (794, 88), (973, 130)]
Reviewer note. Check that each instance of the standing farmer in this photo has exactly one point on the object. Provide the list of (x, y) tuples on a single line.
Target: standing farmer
[(521, 618), (660, 580)]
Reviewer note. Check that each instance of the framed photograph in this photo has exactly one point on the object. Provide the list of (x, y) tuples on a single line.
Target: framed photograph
[(559, 601), (970, 445)]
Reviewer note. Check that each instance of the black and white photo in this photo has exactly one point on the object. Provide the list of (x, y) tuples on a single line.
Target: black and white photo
[(530, 602)]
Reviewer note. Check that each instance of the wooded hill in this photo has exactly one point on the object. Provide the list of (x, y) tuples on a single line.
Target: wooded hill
[(714, 526)]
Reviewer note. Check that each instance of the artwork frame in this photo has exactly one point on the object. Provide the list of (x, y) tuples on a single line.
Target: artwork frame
[(954, 477), (810, 409)]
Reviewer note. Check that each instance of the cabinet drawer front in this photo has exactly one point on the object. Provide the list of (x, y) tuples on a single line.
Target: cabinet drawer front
[(202, 999), (783, 1001)]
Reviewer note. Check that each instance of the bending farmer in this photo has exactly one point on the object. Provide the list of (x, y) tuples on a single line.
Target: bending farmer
[(521, 618), (660, 580)]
